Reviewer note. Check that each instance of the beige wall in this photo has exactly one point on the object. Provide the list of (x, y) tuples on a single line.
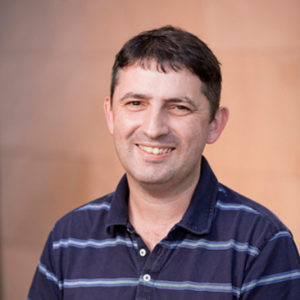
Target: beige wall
[(55, 60)]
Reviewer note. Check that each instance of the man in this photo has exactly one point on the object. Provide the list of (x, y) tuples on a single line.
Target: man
[(170, 230)]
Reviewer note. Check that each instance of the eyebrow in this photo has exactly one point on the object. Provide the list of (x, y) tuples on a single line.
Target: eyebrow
[(184, 99), (135, 96)]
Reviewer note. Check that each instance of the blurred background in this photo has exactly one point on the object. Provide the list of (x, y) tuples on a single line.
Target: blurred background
[(56, 153)]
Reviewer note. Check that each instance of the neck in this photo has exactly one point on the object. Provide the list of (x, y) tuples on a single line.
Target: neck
[(154, 210)]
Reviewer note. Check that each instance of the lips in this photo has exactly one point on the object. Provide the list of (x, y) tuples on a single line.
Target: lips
[(155, 150)]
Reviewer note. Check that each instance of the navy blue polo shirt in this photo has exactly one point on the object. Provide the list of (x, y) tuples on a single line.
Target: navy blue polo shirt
[(225, 247)]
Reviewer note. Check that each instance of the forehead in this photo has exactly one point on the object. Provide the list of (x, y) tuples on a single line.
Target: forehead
[(152, 80)]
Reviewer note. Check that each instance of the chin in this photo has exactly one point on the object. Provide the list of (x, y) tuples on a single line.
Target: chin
[(150, 179)]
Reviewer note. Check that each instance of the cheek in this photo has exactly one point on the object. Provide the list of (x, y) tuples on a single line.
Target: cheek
[(124, 125), (192, 130), (194, 136)]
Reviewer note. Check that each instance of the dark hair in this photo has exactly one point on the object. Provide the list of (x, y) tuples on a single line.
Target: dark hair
[(175, 48)]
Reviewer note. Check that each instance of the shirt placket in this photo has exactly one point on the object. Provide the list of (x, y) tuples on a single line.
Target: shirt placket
[(148, 265)]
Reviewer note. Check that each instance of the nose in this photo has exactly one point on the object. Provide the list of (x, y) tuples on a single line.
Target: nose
[(155, 123)]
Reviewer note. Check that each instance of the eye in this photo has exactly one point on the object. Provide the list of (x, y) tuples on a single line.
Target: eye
[(181, 107), (180, 110), (135, 105)]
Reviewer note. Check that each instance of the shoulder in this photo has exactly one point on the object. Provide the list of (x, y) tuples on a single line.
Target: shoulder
[(85, 220), (247, 218), (272, 263)]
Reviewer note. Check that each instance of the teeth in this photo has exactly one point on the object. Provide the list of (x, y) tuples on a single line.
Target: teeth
[(154, 150)]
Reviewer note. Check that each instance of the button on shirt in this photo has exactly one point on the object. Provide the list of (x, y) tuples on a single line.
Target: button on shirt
[(225, 247), (143, 252)]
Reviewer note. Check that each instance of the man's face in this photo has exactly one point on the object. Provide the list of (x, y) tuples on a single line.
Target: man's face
[(160, 124)]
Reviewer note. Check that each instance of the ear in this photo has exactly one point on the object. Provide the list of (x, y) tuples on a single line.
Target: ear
[(217, 125), (109, 115)]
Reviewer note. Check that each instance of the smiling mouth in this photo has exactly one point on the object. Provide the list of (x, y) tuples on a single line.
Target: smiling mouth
[(155, 150)]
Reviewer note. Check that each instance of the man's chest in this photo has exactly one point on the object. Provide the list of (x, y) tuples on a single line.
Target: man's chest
[(171, 271)]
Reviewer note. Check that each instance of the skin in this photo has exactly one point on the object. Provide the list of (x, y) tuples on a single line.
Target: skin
[(160, 123)]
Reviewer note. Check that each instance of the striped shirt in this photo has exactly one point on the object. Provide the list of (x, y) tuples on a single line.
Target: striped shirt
[(225, 247)]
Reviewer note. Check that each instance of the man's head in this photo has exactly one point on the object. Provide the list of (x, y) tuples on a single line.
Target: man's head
[(166, 89), (173, 48)]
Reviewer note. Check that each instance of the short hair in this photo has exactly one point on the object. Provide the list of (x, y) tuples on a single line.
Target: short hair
[(175, 48)]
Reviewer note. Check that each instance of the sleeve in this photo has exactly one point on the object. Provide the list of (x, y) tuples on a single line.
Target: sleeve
[(275, 273), (46, 284)]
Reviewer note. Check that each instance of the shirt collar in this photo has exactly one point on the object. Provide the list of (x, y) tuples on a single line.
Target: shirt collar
[(199, 215), (118, 213), (197, 218)]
